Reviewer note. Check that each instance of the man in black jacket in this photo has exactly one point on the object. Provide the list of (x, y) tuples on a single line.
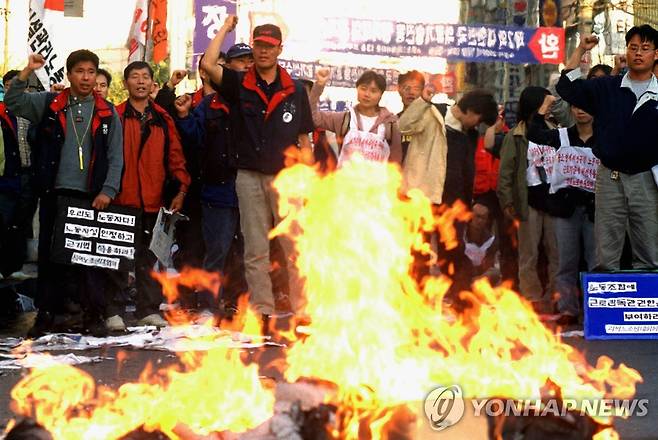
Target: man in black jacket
[(625, 110)]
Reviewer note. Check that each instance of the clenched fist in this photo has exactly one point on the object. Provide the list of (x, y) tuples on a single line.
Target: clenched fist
[(176, 78), (322, 75), (36, 61), (183, 105), (589, 42), (230, 23)]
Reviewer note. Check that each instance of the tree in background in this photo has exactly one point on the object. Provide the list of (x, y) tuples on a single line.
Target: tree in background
[(118, 93)]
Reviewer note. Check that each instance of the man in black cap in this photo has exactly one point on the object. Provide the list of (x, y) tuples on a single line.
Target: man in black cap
[(270, 113)]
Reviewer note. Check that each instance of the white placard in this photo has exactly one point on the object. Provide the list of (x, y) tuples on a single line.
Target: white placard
[(78, 245), (575, 167), (115, 250), (95, 261), (116, 219), (82, 231), (116, 235), (79, 213)]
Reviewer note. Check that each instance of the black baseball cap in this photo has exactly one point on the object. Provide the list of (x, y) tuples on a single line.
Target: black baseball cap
[(268, 33), (238, 50)]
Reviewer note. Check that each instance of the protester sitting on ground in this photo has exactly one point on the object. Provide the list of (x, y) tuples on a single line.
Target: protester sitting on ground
[(574, 221), (625, 113), (481, 245), (366, 129), (487, 165)]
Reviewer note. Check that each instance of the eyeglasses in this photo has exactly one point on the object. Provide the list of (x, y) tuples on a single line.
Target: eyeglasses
[(643, 49)]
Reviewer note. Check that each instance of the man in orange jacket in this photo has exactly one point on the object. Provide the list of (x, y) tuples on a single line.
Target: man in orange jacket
[(152, 154)]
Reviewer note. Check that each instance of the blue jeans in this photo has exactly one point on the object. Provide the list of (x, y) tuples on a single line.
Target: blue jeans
[(220, 226), (569, 232)]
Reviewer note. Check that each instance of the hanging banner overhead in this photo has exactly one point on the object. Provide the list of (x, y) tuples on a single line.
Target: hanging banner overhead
[(472, 43), (45, 15), (159, 34), (210, 16), (341, 76)]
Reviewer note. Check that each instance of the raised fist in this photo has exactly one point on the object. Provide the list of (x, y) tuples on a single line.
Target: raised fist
[(36, 61), (183, 105), (589, 42), (177, 77), (620, 62), (231, 22), (322, 75), (547, 104), (57, 88)]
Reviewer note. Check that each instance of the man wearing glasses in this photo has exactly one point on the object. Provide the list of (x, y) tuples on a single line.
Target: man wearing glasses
[(625, 110)]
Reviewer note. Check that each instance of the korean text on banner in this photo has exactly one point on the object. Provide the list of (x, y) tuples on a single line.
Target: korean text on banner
[(575, 167), (540, 164), (209, 17), (138, 29), (159, 33), (44, 17), (477, 42)]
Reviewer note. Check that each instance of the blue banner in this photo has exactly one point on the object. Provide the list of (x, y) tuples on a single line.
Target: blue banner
[(474, 43), (621, 305)]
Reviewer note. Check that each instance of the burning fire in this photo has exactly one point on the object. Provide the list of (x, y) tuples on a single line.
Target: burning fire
[(382, 340)]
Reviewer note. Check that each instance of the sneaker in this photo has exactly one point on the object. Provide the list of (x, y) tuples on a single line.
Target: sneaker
[(115, 324), (154, 320)]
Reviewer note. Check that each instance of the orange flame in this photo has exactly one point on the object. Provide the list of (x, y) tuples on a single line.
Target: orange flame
[(385, 341), (212, 393), (382, 340)]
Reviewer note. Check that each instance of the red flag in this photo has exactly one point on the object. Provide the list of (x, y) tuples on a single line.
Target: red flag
[(54, 5), (158, 16)]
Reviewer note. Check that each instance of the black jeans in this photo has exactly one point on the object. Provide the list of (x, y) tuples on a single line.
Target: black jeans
[(149, 292)]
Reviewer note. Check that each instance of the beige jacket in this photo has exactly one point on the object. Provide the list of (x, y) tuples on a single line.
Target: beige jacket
[(424, 166)]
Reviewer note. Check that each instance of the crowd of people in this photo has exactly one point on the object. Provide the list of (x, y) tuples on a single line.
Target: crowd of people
[(214, 154)]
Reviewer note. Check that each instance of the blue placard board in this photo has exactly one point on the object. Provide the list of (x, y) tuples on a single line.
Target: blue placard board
[(621, 305)]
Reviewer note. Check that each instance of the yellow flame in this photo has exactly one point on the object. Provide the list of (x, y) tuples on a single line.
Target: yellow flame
[(382, 339)]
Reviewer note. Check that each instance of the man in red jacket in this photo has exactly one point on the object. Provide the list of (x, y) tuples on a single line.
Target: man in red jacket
[(152, 152)]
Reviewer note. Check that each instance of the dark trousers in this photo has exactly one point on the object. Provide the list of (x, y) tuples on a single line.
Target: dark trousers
[(57, 283), (149, 292), (191, 246), (16, 213), (219, 225)]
